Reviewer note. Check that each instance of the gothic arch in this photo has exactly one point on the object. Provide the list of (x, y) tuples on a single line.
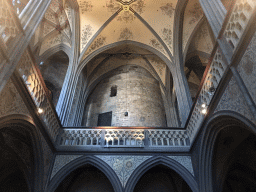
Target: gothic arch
[(210, 131), (93, 85), (85, 160), (178, 28), (161, 160), (27, 124), (84, 62), (55, 49)]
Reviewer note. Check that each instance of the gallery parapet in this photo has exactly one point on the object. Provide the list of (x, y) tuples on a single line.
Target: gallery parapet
[(147, 138)]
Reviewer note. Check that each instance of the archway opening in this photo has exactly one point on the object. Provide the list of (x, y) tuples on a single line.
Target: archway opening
[(197, 56), (161, 179), (12, 177), (17, 162), (233, 163), (87, 178), (54, 70), (144, 83), (137, 100)]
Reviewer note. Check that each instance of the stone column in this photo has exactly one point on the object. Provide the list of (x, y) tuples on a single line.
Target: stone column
[(215, 13), (68, 90), (182, 94)]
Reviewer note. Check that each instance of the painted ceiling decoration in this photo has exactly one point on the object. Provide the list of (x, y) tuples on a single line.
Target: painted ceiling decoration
[(55, 27), (106, 22)]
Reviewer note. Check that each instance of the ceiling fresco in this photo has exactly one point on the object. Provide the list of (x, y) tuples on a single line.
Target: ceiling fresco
[(54, 28), (105, 22), (193, 14), (148, 22)]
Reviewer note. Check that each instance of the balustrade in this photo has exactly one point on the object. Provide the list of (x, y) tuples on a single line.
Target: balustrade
[(236, 24), (123, 138), (34, 84), (239, 18)]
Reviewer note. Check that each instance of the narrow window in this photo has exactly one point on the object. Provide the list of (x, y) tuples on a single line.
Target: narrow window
[(105, 119), (113, 91)]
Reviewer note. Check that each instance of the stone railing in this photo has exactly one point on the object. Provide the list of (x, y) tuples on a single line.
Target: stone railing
[(234, 29), (238, 20), (211, 82), (167, 138), (119, 138), (27, 70)]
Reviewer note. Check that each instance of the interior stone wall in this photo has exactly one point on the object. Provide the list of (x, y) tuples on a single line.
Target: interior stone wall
[(138, 93)]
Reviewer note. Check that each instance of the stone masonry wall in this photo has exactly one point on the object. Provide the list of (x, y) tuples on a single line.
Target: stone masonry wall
[(138, 93)]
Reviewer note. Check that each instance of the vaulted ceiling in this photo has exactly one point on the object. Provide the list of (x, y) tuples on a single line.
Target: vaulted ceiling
[(105, 22)]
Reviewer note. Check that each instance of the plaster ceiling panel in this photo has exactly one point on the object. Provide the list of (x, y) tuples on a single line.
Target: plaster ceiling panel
[(160, 16), (128, 48), (193, 78), (203, 40), (192, 16), (47, 28), (116, 62), (159, 66), (94, 63), (54, 40), (63, 18), (118, 30), (50, 16), (93, 14), (55, 5)]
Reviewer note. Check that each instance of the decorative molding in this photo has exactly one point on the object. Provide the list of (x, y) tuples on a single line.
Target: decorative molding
[(185, 161), (123, 165), (61, 161)]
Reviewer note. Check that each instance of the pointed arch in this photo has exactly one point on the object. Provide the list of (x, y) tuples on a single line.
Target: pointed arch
[(84, 62), (79, 162), (55, 49), (161, 160), (27, 124), (210, 131)]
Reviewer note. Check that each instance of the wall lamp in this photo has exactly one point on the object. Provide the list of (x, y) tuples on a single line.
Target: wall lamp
[(204, 108)]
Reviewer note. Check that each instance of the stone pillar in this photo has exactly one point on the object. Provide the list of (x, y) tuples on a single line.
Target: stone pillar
[(215, 13), (182, 94), (68, 90)]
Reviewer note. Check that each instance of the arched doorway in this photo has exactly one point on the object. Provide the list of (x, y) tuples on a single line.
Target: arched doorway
[(233, 161), (20, 162), (86, 178), (161, 179), (227, 154), (54, 71)]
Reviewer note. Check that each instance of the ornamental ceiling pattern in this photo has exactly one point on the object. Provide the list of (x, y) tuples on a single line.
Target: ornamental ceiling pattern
[(105, 22), (147, 22), (55, 27)]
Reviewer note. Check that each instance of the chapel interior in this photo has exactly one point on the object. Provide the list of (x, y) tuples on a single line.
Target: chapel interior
[(127, 95)]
